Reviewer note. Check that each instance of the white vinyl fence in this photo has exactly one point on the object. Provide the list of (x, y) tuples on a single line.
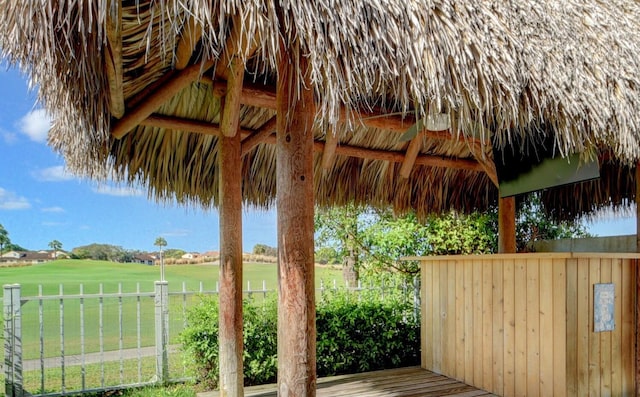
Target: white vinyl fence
[(70, 343)]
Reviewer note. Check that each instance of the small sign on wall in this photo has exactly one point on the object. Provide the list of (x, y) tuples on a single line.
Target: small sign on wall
[(604, 297)]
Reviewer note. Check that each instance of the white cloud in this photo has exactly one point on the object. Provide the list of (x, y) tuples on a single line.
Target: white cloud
[(119, 191), (53, 209), (35, 125), (11, 201), (9, 137), (53, 224), (53, 174), (177, 233)]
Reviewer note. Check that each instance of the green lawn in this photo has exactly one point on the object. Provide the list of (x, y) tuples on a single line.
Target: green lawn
[(72, 273)]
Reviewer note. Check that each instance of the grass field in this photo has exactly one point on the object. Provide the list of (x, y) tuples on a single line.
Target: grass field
[(82, 319), (72, 273)]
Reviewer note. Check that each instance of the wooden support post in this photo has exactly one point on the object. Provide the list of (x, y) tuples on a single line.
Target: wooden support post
[(295, 204), (230, 323), (637, 262), (638, 206), (507, 225)]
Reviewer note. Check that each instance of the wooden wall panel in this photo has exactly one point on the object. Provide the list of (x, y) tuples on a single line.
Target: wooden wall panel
[(628, 329), (523, 325), (560, 324), (509, 322), (546, 327), (498, 327)]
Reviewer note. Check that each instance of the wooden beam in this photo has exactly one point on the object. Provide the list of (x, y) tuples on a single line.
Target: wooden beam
[(410, 157), (231, 109), (638, 225), (230, 335), (232, 68), (264, 135), (507, 225), (155, 99), (187, 125), (264, 97), (330, 145), (189, 37), (487, 163), (260, 136), (637, 285), (113, 58), (295, 206), (396, 157)]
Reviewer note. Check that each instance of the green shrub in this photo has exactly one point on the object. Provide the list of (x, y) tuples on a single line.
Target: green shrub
[(200, 342), (360, 335), (353, 335)]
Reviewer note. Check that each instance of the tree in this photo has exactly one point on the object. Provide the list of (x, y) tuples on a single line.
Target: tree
[(533, 223), (56, 246), (161, 242), (103, 252), (338, 228), (4, 238), (263, 249), (377, 239)]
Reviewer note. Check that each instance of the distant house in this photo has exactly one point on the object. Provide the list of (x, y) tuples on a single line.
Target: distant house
[(191, 255), (145, 259), (25, 257), (211, 254)]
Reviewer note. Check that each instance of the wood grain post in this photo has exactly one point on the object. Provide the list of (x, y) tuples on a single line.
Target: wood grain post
[(507, 225), (295, 204), (637, 286), (230, 322)]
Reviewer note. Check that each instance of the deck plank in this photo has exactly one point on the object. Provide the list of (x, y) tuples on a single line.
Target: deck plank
[(401, 382)]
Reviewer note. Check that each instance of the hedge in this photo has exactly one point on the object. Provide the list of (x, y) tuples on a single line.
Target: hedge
[(354, 334)]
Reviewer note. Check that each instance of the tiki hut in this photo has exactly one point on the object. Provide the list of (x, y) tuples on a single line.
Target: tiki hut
[(300, 103)]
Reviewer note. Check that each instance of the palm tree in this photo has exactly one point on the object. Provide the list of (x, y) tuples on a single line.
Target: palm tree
[(56, 246), (161, 242), (4, 238)]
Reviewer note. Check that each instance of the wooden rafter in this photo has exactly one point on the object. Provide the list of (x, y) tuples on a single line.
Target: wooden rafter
[(395, 157), (259, 136), (187, 125), (410, 157), (264, 96), (191, 34), (265, 135), (487, 163), (331, 143), (113, 58), (156, 98)]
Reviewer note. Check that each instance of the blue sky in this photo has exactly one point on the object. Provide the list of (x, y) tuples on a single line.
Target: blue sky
[(40, 202)]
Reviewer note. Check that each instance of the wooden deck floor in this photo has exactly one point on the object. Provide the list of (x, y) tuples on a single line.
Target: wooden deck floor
[(402, 382)]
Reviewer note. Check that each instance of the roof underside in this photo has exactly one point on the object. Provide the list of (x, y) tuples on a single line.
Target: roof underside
[(135, 89)]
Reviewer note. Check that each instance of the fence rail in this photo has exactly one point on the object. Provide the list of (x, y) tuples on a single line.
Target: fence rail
[(61, 344)]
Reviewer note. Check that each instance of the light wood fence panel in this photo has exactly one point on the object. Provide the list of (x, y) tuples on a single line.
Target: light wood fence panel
[(523, 324)]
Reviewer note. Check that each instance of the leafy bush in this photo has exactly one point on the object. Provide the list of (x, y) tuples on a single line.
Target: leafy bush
[(360, 334), (200, 342), (355, 333)]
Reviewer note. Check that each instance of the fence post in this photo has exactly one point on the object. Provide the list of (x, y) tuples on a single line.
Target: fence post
[(162, 330), (12, 341)]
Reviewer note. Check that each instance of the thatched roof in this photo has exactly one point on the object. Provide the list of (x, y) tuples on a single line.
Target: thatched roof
[(495, 68)]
